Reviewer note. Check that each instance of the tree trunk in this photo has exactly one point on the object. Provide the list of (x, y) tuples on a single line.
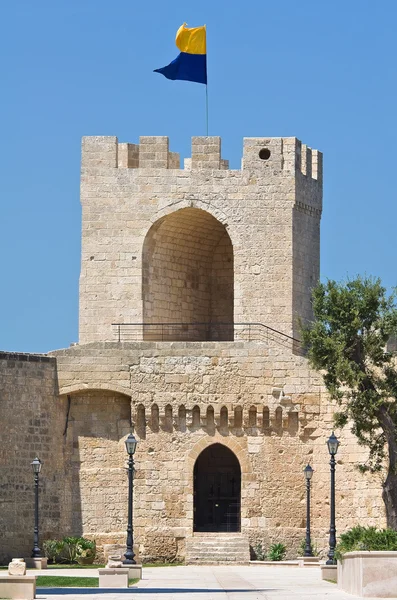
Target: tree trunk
[(389, 493), (389, 496)]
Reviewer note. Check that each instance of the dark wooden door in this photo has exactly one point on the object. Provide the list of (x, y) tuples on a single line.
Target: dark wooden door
[(217, 490)]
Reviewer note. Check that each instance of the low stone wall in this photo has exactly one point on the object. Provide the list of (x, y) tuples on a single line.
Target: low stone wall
[(17, 587), (369, 574)]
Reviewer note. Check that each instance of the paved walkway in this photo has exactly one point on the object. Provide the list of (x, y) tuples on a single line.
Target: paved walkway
[(210, 583)]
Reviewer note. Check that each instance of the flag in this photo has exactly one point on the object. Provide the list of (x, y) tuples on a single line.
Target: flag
[(191, 63)]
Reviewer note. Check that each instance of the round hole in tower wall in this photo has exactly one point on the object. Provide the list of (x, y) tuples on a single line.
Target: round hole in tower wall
[(264, 154)]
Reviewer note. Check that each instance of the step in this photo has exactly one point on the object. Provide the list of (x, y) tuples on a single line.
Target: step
[(217, 548), (218, 534), (219, 543)]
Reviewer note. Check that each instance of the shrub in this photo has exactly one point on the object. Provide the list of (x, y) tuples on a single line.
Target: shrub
[(259, 552), (52, 549), (277, 552), (86, 548), (71, 548), (365, 538), (302, 548)]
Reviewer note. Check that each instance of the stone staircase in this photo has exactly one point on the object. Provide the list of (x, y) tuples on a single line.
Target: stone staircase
[(217, 548)]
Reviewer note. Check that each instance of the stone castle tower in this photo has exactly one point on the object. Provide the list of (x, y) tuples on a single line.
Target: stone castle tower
[(200, 245), (193, 284)]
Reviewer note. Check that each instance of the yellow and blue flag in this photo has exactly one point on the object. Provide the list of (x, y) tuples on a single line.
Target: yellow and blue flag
[(191, 63)]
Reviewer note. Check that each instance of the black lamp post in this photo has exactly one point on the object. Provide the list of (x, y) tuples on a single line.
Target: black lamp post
[(308, 471), (130, 444), (36, 466), (333, 444)]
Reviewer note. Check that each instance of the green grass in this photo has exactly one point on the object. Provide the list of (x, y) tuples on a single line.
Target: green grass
[(66, 566), (163, 564), (50, 581), (59, 581), (150, 564)]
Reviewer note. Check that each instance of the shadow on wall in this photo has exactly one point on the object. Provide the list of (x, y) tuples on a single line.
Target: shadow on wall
[(98, 423), (32, 422), (187, 278)]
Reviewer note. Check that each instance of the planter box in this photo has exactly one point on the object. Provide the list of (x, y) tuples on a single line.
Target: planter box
[(113, 578), (134, 571), (329, 573), (369, 574), (308, 561), (14, 586), (36, 563)]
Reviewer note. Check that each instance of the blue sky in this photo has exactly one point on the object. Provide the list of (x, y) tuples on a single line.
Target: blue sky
[(322, 71)]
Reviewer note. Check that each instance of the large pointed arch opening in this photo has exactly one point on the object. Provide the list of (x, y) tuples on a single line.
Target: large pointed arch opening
[(188, 280), (217, 490)]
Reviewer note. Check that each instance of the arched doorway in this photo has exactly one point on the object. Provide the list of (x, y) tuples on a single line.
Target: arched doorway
[(217, 490), (187, 278)]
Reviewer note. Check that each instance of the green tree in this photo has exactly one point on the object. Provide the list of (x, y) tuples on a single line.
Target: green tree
[(348, 342)]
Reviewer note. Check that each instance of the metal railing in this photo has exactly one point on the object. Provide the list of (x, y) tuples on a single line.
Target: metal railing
[(200, 332)]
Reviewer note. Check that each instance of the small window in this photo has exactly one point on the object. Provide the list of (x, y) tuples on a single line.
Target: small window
[(264, 154)]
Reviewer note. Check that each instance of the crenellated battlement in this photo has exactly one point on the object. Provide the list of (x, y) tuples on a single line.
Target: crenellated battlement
[(275, 155), (286, 155)]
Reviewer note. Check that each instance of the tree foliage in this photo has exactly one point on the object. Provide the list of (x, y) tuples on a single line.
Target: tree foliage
[(348, 342), (366, 538)]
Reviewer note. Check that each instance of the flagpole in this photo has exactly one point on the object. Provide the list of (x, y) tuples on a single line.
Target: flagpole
[(206, 105), (206, 82)]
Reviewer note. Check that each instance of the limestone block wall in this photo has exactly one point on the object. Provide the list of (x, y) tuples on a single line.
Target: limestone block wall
[(260, 401), (99, 421), (222, 282), (306, 238), (142, 260), (187, 270), (32, 421)]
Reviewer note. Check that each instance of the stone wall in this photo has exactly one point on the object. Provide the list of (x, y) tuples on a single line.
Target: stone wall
[(187, 271), (99, 421), (32, 423), (222, 283), (128, 202), (259, 400)]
